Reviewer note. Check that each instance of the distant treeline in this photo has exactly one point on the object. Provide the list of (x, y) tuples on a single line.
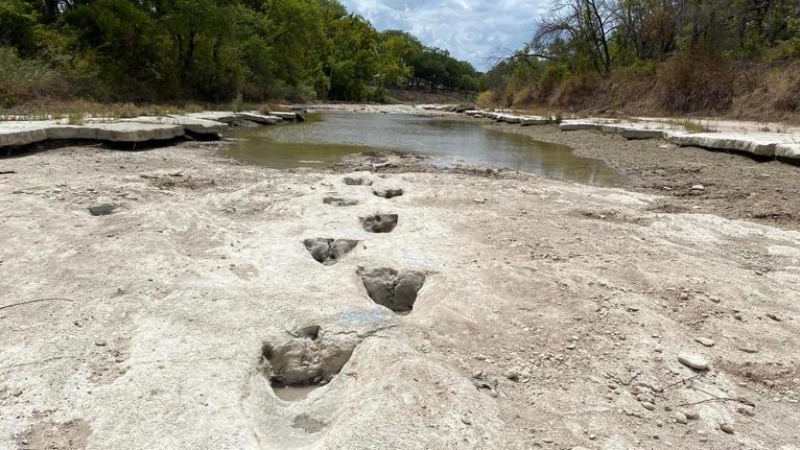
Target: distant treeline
[(690, 51), (210, 50)]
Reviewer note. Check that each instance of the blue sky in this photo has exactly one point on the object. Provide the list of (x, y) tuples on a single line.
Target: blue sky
[(472, 30)]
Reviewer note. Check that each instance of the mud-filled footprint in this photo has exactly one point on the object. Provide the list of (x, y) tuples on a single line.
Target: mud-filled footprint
[(304, 360), (358, 181), (388, 192), (380, 223), (329, 251), (392, 289), (339, 201)]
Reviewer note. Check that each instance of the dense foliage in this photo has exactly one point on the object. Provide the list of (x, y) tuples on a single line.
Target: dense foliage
[(211, 50), (688, 47)]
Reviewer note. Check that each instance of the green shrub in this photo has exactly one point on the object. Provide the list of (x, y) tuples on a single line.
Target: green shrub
[(25, 79)]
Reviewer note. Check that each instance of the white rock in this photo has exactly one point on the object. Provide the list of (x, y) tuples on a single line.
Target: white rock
[(788, 151), (695, 362), (705, 341), (190, 124), (727, 141), (527, 121), (23, 133)]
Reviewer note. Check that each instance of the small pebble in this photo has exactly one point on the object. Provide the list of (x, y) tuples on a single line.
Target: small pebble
[(680, 417), (726, 427), (705, 341), (695, 362)]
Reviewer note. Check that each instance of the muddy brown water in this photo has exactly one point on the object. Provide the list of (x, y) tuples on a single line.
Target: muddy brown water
[(325, 139), (293, 393)]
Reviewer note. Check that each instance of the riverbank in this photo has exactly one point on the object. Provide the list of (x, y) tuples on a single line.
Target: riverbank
[(733, 185), (550, 314)]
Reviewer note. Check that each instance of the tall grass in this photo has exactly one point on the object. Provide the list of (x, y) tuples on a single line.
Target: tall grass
[(698, 80), (24, 79)]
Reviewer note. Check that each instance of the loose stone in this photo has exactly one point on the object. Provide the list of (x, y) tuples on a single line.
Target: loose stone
[(695, 362), (726, 427), (705, 341), (680, 417)]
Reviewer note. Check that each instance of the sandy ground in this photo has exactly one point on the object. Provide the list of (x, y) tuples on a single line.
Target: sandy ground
[(734, 185), (553, 315)]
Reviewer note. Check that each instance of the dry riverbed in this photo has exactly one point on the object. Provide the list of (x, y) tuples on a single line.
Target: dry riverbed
[(548, 314), (690, 179)]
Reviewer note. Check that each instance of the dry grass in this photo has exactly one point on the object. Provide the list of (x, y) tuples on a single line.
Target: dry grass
[(692, 126), (88, 109), (698, 81), (698, 84), (25, 79)]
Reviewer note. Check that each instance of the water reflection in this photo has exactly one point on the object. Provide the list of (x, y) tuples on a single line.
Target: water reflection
[(324, 142)]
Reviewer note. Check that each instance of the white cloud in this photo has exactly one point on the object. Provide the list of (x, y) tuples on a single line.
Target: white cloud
[(472, 30)]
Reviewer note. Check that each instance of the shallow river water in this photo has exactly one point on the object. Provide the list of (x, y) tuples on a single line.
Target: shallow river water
[(325, 139)]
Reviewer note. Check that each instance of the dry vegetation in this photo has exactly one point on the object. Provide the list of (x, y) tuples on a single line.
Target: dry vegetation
[(682, 86)]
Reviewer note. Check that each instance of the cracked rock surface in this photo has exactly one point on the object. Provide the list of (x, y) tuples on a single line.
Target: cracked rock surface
[(555, 319)]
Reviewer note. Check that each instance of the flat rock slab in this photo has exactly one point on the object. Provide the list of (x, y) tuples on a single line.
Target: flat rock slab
[(508, 118), (528, 121), (755, 145), (289, 116), (217, 116), (260, 119), (764, 144), (231, 117), (116, 132), (788, 151), (190, 124), (632, 132), (25, 133)]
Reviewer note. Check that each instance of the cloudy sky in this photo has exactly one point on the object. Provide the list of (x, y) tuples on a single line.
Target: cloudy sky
[(472, 30)]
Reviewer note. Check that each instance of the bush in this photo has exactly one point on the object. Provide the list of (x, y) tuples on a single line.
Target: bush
[(789, 100), (698, 80), (379, 95), (553, 75), (575, 90), (525, 97), (486, 99), (26, 79)]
